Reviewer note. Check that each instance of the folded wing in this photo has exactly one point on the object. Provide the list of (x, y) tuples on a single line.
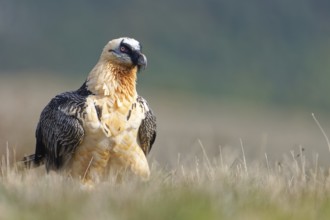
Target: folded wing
[(147, 129)]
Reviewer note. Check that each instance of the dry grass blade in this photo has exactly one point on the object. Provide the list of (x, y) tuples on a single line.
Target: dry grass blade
[(87, 168), (244, 158), (322, 130)]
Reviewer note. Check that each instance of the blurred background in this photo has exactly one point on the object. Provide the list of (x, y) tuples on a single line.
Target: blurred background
[(219, 71)]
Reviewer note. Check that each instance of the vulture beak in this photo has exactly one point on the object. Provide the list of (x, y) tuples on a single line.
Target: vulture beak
[(140, 60)]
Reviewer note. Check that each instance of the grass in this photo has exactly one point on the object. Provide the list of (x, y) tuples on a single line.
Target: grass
[(189, 179), (222, 187)]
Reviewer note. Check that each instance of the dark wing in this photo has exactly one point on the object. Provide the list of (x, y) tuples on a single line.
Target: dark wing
[(147, 129), (60, 130)]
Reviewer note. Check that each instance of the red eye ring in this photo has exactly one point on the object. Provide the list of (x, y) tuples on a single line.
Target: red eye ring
[(123, 49)]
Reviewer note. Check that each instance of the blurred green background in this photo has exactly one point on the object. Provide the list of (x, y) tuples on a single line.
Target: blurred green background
[(222, 76), (264, 51), (218, 70)]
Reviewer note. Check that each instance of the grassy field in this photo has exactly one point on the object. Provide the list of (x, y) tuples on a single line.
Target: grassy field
[(211, 189), (211, 160)]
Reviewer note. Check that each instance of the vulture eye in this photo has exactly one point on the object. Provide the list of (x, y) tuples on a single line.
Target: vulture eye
[(123, 49)]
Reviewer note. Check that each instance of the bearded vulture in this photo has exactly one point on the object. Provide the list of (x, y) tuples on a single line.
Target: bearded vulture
[(103, 125)]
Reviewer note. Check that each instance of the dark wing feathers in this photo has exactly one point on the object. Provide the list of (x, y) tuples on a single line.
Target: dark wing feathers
[(60, 130), (147, 129)]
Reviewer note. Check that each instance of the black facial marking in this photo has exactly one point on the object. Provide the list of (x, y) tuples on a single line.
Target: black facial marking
[(134, 54), (128, 48)]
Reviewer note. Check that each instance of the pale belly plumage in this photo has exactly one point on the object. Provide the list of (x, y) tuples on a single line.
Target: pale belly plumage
[(110, 141)]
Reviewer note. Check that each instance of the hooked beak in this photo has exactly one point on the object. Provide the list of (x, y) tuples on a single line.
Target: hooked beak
[(142, 61)]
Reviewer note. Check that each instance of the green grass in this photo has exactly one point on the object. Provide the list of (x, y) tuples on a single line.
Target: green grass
[(213, 188)]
